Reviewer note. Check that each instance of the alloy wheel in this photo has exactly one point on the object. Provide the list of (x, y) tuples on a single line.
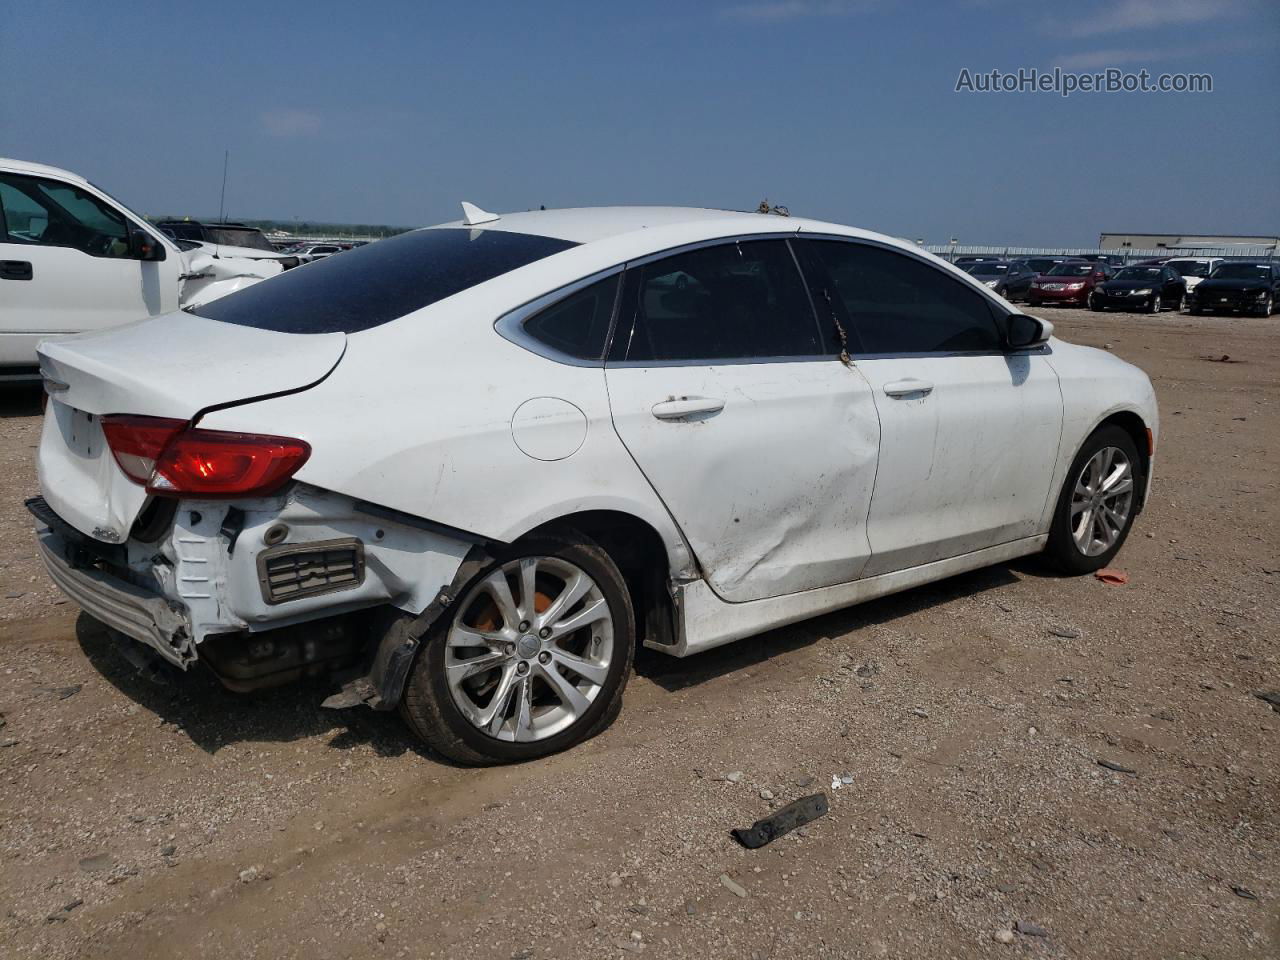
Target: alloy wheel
[(529, 649), (1101, 501)]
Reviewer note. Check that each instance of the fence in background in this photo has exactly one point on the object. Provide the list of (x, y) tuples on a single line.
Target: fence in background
[(950, 252)]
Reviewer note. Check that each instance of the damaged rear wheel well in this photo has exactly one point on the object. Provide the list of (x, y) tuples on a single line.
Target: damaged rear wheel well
[(638, 551)]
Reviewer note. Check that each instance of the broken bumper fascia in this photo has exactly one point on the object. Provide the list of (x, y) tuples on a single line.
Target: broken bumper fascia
[(135, 612), (203, 577)]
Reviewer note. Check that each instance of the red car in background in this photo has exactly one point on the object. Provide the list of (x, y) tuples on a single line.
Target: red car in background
[(1068, 283)]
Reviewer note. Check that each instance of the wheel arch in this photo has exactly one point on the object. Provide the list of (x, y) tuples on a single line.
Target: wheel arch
[(643, 557), (1131, 422)]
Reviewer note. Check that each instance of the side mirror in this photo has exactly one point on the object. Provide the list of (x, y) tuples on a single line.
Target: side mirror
[(1023, 332), (145, 247)]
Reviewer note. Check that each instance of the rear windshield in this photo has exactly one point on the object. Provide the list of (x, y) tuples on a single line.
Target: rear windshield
[(381, 282), (1242, 271)]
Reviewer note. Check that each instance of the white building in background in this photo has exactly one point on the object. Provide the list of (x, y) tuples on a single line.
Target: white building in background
[(1174, 241)]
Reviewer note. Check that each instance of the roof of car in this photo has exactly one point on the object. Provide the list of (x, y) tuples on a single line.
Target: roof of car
[(38, 169), (587, 224)]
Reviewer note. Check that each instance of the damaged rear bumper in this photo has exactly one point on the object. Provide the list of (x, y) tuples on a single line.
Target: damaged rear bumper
[(262, 591), (138, 613)]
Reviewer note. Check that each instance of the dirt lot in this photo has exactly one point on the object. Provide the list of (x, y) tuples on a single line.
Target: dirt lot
[(149, 819)]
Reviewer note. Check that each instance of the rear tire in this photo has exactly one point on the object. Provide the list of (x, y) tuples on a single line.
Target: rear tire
[(1096, 506), (489, 688)]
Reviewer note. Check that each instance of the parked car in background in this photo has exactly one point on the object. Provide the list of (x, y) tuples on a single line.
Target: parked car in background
[(221, 250), (226, 238), (285, 483), (310, 252), (1070, 282), (1112, 259), (1239, 286), (73, 258), (1194, 269), (1151, 288), (1009, 278)]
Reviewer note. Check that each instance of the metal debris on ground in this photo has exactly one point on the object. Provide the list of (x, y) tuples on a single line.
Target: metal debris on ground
[(1270, 696), (1066, 633), (794, 814), (1117, 768), (1244, 893), (63, 693), (1028, 929), (839, 780)]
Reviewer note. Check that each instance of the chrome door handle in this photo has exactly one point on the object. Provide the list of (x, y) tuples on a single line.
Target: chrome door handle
[(678, 409), (908, 387)]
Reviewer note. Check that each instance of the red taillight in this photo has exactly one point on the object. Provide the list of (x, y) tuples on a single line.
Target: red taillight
[(173, 459), (137, 442)]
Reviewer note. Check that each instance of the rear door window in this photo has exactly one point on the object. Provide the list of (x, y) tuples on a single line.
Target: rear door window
[(733, 301), (381, 282), (898, 304)]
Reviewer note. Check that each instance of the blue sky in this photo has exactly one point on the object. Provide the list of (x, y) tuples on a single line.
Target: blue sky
[(393, 112)]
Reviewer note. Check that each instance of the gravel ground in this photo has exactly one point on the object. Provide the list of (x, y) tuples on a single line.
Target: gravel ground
[(166, 817)]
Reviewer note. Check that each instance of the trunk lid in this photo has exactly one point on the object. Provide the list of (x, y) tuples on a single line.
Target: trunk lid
[(175, 366)]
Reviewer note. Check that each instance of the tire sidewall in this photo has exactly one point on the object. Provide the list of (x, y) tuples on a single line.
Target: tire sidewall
[(427, 685), (1062, 545)]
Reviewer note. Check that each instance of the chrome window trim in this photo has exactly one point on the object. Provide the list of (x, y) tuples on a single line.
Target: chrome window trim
[(721, 362), (510, 326)]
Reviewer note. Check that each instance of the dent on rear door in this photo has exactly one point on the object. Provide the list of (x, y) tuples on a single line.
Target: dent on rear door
[(771, 491)]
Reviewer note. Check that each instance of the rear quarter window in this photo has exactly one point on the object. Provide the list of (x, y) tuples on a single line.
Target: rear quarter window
[(381, 282)]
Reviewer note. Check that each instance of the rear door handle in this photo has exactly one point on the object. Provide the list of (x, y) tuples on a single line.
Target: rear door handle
[(908, 387), (15, 270), (674, 409)]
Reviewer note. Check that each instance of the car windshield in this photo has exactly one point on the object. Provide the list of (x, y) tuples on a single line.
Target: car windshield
[(381, 282), (239, 237), (1040, 265), (1071, 270), (988, 269), (1242, 271), (1190, 268), (1139, 273)]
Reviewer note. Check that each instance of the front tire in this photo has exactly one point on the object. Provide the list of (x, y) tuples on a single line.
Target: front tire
[(530, 660), (1266, 308), (1155, 304), (1097, 504)]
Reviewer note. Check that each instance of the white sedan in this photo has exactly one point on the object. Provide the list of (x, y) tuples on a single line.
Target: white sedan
[(467, 469)]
